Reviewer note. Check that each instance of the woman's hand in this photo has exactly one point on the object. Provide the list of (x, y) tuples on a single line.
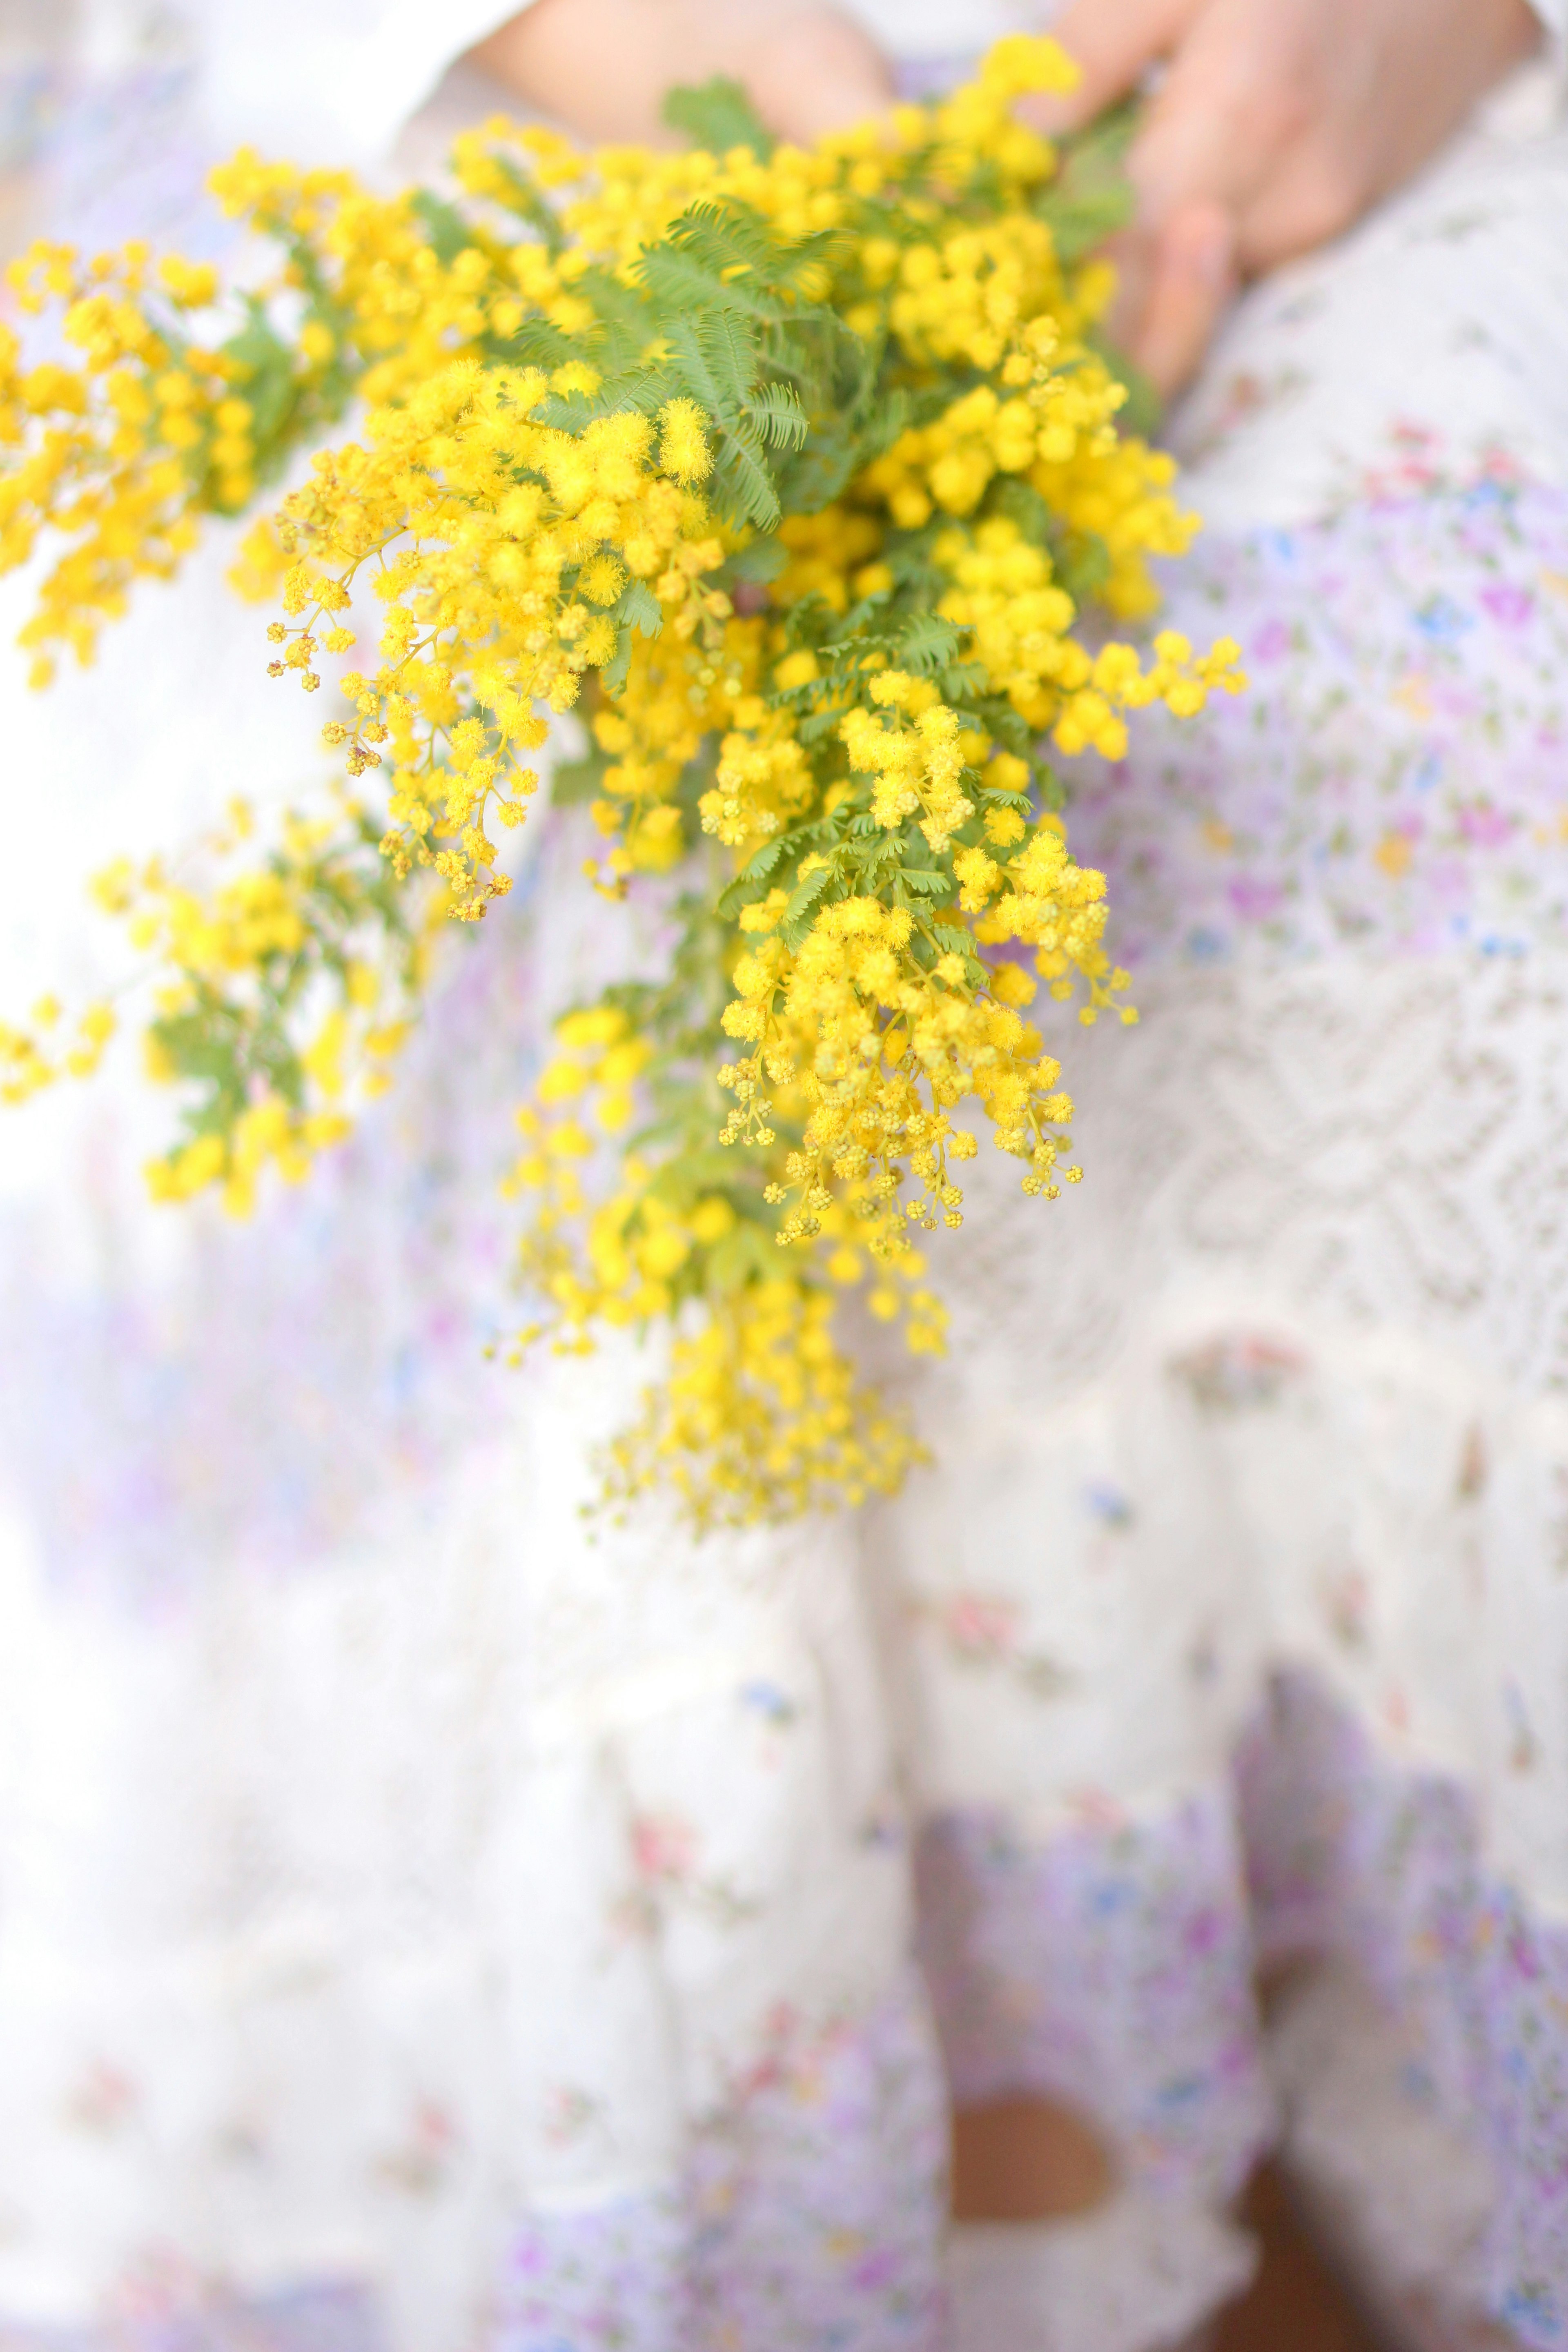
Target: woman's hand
[(603, 66), (1277, 124)]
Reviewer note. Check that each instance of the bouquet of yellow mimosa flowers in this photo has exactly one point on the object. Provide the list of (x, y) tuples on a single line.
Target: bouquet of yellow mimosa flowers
[(796, 475)]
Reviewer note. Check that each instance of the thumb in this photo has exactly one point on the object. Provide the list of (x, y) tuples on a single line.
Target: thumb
[(1113, 43)]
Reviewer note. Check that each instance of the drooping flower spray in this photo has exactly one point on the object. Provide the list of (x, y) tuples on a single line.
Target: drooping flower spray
[(796, 474)]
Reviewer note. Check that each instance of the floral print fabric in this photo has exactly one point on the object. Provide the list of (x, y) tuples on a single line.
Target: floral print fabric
[(1109, 1968), (423, 1928), (808, 2215), (1350, 1857), (1393, 781)]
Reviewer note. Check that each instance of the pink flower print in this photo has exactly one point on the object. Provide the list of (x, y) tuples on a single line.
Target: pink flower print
[(1347, 1599), (1096, 1808), (1205, 1931), (103, 2100), (1415, 465), (782, 2024), (878, 2269), (1254, 898), (1509, 606), (981, 1627), (664, 1853), (664, 1849), (1485, 825), (158, 2286), (1238, 1370), (784, 2053), (1500, 464), (981, 1630), (422, 2163)]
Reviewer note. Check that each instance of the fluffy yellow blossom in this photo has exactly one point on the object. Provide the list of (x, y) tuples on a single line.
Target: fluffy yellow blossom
[(795, 471)]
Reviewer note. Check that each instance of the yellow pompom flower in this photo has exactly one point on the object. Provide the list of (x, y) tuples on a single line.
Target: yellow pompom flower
[(795, 472)]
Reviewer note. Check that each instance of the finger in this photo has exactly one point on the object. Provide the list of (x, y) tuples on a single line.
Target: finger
[(1231, 104), (545, 53), (1324, 180), (603, 66), (1311, 198), (1132, 254), (816, 72), (1113, 43), (1194, 282)]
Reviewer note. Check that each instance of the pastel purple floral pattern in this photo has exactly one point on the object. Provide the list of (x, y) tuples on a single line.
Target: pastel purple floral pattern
[(1392, 778), (809, 2214), (1111, 1967), (1349, 1856)]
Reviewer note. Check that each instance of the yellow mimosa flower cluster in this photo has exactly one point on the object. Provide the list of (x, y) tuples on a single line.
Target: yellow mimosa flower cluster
[(797, 472), (286, 989)]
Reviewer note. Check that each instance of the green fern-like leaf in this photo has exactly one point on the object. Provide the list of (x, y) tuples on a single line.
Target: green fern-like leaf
[(743, 482), (680, 281), (530, 203), (716, 362), (447, 231), (926, 643), (776, 410), (639, 606), (751, 883), (799, 914), (718, 115)]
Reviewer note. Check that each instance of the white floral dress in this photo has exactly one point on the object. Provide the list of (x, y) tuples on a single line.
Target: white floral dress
[(423, 1925)]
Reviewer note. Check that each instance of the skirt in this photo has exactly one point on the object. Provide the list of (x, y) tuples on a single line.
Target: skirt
[(427, 1919)]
